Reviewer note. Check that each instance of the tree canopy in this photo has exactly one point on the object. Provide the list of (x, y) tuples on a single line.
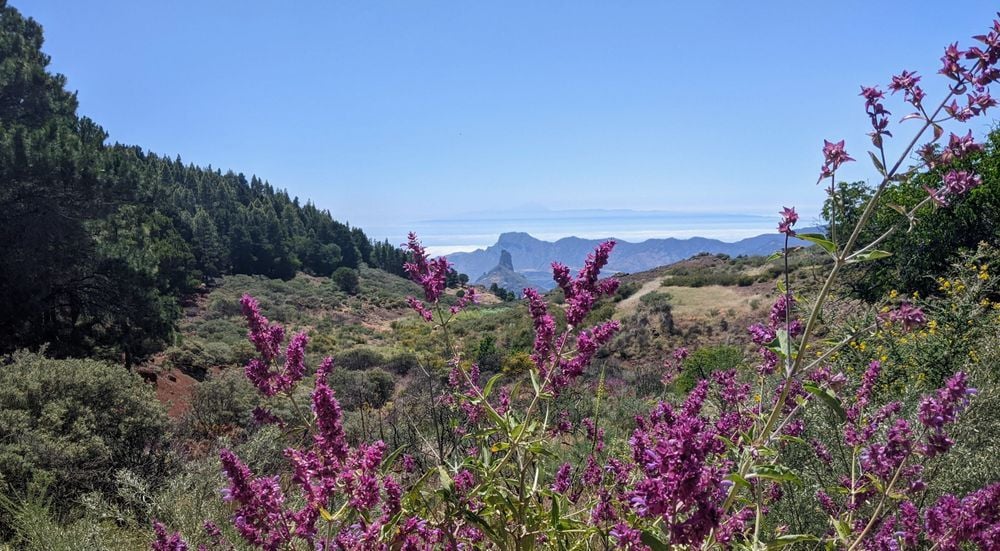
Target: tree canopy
[(100, 241)]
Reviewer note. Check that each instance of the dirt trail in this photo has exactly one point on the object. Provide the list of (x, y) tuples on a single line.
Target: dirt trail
[(629, 305)]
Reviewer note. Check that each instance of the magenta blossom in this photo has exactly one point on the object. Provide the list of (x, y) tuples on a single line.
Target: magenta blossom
[(907, 315), (955, 183), (167, 542), (267, 338), (959, 146), (432, 275), (834, 155), (907, 83), (788, 219)]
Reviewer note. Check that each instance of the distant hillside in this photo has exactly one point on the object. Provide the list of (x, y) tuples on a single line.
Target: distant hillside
[(535, 256)]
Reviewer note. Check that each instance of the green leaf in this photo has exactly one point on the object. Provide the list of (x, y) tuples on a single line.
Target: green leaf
[(446, 481), (495, 417), (777, 473), (791, 539), (469, 515), (821, 240), (534, 381), (738, 480), (652, 541), (870, 255), (795, 439), (878, 164), (843, 530), (828, 398), (489, 384), (388, 461), (554, 513), (782, 346), (774, 256), (539, 448)]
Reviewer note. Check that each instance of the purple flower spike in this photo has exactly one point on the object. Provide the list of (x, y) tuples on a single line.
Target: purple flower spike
[(432, 275), (165, 542)]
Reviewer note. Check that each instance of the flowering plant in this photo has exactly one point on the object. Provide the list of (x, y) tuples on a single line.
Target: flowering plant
[(701, 473)]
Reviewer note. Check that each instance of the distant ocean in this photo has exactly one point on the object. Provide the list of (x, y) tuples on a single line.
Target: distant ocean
[(478, 231)]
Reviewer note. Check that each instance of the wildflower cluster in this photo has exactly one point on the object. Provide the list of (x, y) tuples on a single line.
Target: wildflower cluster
[(693, 473), (267, 339), (432, 275), (551, 353), (889, 457)]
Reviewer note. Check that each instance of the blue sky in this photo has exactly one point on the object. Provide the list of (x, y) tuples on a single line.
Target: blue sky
[(420, 110)]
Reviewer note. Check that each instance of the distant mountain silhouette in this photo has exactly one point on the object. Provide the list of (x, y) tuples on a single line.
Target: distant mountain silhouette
[(534, 256), (504, 276)]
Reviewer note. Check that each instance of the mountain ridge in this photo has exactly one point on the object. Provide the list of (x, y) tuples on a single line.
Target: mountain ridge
[(534, 256)]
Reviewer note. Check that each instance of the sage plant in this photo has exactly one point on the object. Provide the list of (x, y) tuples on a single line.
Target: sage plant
[(702, 472)]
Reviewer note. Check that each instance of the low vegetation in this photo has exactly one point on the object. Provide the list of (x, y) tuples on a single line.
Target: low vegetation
[(837, 396)]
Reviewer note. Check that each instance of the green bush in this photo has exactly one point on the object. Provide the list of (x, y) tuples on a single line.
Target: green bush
[(67, 424), (706, 360), (222, 404), (195, 356), (357, 389), (626, 289), (402, 363), (360, 359), (347, 280), (708, 278)]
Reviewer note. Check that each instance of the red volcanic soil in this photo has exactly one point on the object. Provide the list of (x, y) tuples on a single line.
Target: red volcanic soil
[(174, 388)]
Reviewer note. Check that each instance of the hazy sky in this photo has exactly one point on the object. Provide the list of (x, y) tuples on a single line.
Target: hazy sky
[(414, 110)]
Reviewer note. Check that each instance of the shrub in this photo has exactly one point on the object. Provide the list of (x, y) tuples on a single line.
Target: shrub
[(402, 363), (626, 290), (67, 424), (347, 280), (196, 356), (488, 356), (359, 359), (519, 466), (517, 363), (709, 278), (222, 404), (358, 389), (704, 361)]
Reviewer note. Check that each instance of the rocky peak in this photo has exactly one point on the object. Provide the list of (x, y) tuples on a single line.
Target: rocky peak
[(505, 260)]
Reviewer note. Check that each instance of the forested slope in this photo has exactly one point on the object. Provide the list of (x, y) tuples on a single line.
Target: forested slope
[(100, 242)]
